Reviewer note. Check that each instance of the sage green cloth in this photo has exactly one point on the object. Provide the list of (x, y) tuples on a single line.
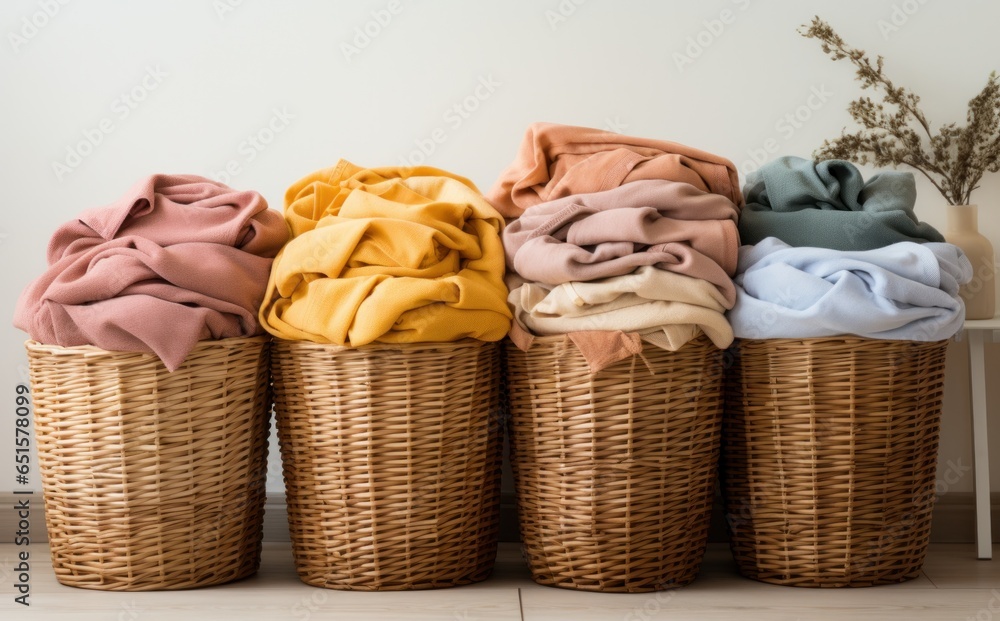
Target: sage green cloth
[(828, 204)]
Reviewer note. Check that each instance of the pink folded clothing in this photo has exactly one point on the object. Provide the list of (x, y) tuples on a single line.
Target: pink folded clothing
[(667, 224), (559, 160), (177, 260), (548, 261)]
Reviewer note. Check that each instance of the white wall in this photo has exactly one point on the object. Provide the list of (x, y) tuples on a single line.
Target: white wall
[(220, 75)]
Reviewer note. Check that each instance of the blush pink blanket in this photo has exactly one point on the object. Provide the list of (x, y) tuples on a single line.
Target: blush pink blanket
[(671, 225), (559, 160), (177, 260)]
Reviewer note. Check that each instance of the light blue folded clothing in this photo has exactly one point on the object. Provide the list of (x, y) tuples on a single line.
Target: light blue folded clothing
[(828, 204), (906, 291)]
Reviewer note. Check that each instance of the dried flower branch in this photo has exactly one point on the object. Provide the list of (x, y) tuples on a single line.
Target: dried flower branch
[(895, 132)]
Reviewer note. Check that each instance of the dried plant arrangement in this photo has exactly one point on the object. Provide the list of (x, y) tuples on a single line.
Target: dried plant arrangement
[(895, 132)]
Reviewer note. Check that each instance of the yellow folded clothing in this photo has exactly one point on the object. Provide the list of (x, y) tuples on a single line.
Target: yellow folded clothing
[(394, 255)]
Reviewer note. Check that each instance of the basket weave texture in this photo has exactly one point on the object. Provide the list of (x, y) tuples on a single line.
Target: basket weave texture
[(614, 471), (391, 457), (152, 480), (829, 458)]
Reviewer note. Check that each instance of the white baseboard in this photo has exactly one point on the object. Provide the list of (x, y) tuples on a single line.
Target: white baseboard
[(954, 519)]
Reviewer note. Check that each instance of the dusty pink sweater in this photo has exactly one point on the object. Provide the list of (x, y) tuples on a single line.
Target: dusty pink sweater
[(176, 260), (668, 224)]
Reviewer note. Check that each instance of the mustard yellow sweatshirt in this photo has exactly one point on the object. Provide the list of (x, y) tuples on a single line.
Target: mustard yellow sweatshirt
[(393, 255)]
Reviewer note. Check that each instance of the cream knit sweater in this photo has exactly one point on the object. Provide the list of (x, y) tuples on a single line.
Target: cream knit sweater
[(665, 308)]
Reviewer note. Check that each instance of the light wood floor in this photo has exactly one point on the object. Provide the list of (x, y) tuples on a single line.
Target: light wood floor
[(954, 586)]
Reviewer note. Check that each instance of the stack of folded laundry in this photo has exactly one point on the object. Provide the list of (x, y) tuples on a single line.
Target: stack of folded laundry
[(391, 255), (830, 254), (617, 240), (177, 260)]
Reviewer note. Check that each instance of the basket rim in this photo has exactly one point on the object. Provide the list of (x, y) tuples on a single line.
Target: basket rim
[(92, 351), (552, 339), (333, 348), (840, 338)]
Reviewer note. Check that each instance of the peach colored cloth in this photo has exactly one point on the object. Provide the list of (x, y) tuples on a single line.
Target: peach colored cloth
[(667, 224), (600, 348), (554, 161), (178, 259)]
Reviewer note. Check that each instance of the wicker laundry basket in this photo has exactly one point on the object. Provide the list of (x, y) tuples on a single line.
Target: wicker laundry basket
[(152, 480), (391, 456), (829, 458), (614, 471)]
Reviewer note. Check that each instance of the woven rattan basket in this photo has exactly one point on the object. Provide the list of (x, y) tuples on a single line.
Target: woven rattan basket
[(829, 458), (391, 458), (152, 480), (614, 471)]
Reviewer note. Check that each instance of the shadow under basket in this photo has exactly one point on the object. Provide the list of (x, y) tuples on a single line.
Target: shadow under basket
[(614, 471), (391, 457), (152, 480), (829, 458)]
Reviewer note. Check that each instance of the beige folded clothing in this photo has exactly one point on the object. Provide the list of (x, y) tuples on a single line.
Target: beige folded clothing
[(666, 309)]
